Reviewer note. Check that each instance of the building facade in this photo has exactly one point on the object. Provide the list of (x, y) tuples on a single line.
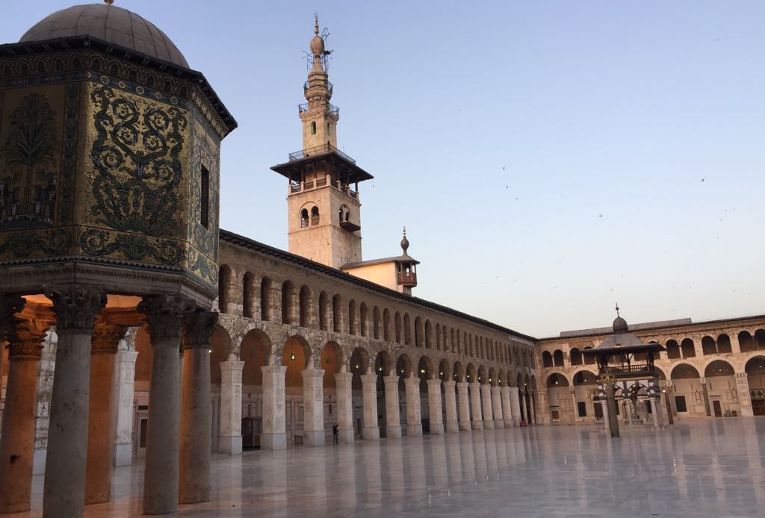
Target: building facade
[(710, 369)]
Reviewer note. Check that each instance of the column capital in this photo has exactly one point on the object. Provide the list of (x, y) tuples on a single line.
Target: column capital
[(26, 337), (106, 337), (198, 327), (432, 382), (165, 314), (76, 306), (449, 383), (9, 306)]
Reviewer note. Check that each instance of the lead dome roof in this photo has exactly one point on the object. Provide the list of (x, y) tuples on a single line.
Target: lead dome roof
[(111, 24)]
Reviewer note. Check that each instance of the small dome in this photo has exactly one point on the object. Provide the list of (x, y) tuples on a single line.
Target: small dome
[(317, 46), (112, 24), (620, 325)]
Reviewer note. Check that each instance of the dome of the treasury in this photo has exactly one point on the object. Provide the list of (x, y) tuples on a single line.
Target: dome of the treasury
[(111, 24)]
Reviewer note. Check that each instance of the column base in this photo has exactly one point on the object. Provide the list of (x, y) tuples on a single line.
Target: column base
[(452, 427), (436, 428), (123, 454), (477, 425), (38, 462), (230, 444), (413, 429), (516, 421), (371, 433), (394, 432), (509, 423), (465, 426), (273, 441), (345, 436), (499, 424), (314, 438), (488, 425)]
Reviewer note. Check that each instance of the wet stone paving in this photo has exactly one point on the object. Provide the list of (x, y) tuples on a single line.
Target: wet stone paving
[(700, 468)]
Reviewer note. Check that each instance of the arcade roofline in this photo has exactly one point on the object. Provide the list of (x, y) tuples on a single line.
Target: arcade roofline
[(648, 326), (244, 242)]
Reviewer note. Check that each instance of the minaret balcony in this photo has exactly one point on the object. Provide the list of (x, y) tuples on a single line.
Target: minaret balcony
[(324, 149), (331, 108), (408, 279)]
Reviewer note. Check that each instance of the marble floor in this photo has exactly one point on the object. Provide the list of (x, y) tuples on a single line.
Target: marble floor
[(702, 468)]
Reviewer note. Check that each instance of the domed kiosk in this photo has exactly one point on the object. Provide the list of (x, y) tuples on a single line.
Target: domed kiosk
[(109, 203)]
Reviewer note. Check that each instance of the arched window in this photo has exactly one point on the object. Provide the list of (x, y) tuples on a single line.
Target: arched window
[(314, 216), (313, 128), (224, 279), (265, 299), (304, 218), (247, 295), (547, 360), (576, 356)]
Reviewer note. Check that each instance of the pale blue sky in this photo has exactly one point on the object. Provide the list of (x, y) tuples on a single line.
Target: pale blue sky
[(546, 157)]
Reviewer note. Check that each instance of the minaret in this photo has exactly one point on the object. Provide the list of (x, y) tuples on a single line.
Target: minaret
[(318, 115), (323, 207)]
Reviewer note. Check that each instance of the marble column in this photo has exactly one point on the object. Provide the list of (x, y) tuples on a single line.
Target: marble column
[(392, 412), (464, 395), (487, 408), (496, 401), (515, 405), (434, 407), (274, 419), (655, 412), (196, 413), (705, 393), (102, 414), (544, 407), (165, 314), (124, 370), (344, 391), (450, 397), (475, 406), (230, 440), (507, 411), (413, 411), (67, 456), (530, 409), (313, 406), (25, 338), (744, 396), (369, 392)]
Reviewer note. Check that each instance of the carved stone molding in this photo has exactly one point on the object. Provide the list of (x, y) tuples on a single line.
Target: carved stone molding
[(165, 314), (76, 306), (198, 329), (106, 337)]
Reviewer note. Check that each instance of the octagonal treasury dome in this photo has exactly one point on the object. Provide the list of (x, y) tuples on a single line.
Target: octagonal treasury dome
[(111, 24)]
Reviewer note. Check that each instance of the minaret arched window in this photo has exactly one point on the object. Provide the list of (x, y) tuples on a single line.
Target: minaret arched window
[(304, 218), (313, 128), (314, 216)]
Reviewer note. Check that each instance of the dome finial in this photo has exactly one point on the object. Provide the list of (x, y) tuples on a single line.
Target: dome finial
[(617, 309), (405, 242), (110, 2), (316, 25)]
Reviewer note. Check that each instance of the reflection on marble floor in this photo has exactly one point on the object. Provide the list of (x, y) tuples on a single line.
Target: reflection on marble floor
[(704, 468)]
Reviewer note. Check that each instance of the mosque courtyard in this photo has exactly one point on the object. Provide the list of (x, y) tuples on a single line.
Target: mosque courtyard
[(706, 467)]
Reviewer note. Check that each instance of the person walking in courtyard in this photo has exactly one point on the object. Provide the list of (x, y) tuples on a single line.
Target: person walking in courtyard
[(335, 435)]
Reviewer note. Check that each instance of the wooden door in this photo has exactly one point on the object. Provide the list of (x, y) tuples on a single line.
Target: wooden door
[(717, 408)]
